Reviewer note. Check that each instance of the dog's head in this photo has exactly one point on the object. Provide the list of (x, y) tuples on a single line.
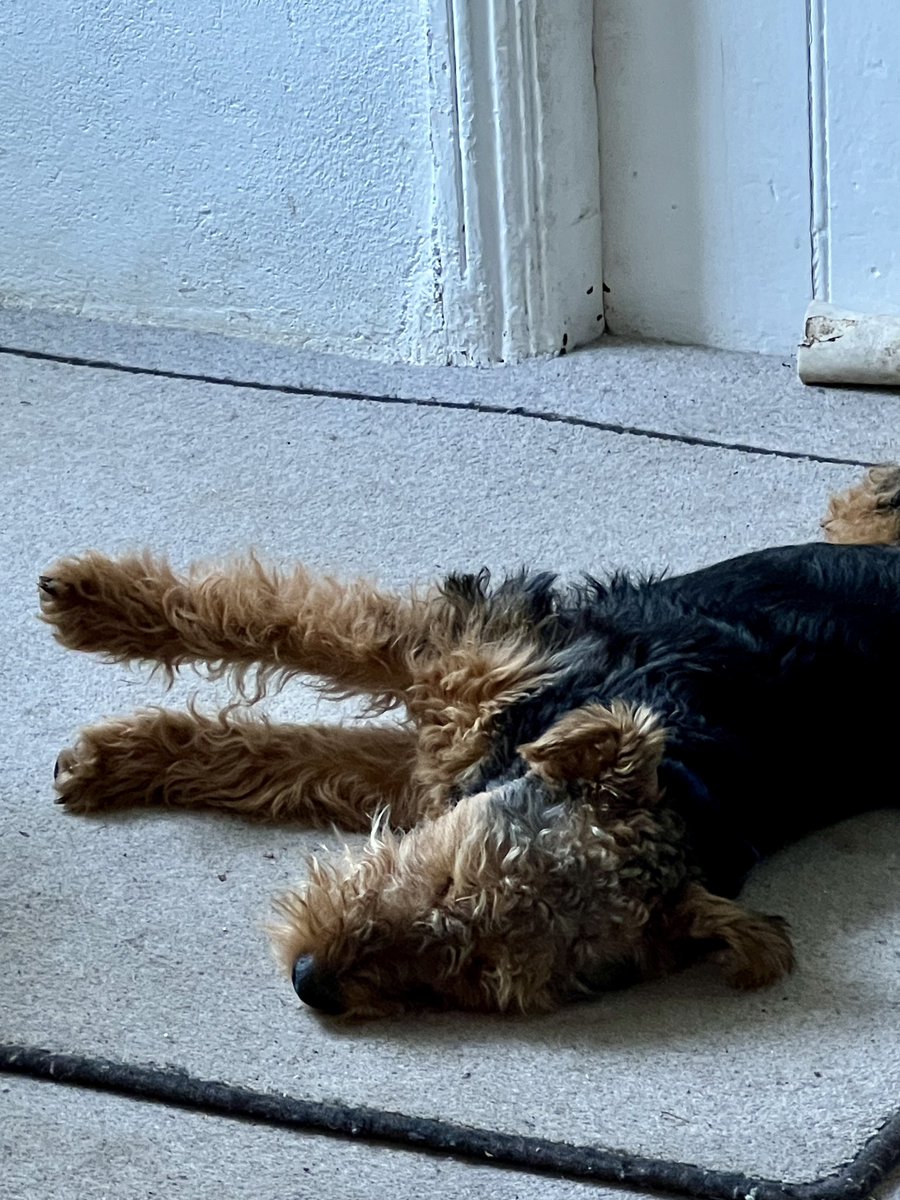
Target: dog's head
[(535, 892)]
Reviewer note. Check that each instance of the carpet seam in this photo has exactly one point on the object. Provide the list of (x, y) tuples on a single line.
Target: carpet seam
[(547, 417)]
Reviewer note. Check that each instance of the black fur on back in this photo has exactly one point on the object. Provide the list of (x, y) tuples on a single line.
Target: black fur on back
[(775, 674)]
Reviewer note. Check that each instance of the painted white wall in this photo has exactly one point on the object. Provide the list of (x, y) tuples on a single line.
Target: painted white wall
[(856, 158), (260, 166), (704, 169), (419, 180)]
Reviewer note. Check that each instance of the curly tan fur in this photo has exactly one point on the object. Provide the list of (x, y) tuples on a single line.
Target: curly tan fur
[(318, 774), (483, 903), (755, 949), (247, 621), (619, 748), (472, 909), (867, 514)]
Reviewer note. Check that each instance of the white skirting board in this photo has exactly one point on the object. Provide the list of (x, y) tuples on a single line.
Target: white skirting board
[(848, 347)]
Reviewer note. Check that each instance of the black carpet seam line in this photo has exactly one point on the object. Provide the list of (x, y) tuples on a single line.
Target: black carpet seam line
[(552, 418), (175, 1086)]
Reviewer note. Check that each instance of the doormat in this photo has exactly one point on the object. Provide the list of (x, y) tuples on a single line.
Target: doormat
[(854, 1180)]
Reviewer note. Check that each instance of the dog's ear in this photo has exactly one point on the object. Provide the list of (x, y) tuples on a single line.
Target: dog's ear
[(619, 748), (753, 949)]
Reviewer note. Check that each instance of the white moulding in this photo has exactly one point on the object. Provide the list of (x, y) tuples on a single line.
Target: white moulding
[(846, 347), (515, 239)]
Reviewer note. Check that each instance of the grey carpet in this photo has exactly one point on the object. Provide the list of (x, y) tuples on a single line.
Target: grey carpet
[(138, 937)]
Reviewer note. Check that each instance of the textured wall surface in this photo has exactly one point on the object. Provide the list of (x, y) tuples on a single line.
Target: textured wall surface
[(250, 166)]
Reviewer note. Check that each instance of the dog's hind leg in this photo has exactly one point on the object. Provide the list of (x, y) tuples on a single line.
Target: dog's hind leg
[(245, 620), (318, 774), (868, 513)]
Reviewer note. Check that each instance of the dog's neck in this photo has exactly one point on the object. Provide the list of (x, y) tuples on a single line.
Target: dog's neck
[(722, 851)]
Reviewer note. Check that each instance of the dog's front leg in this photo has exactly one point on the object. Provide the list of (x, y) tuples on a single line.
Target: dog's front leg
[(240, 619), (318, 774), (753, 949)]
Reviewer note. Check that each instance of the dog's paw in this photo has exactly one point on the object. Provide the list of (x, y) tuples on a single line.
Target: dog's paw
[(74, 580), (105, 768), (754, 950), (106, 605), (51, 588), (77, 779), (74, 600), (60, 589), (759, 954)]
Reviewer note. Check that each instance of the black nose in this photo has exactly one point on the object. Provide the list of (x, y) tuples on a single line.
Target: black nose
[(316, 987)]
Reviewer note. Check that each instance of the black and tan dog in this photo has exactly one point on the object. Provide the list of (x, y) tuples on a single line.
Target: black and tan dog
[(581, 777)]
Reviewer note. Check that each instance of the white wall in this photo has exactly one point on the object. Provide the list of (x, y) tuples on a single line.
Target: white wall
[(384, 180), (856, 158), (261, 166), (704, 169)]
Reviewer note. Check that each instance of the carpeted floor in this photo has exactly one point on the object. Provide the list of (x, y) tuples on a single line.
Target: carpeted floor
[(138, 938)]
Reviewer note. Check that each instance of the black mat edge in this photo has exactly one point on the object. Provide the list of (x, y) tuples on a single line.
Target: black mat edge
[(174, 1086)]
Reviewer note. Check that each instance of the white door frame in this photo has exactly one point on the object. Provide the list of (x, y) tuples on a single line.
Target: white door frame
[(515, 238), (516, 248), (851, 333)]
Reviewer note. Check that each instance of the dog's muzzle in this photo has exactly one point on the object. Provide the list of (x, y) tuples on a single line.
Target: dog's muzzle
[(316, 987)]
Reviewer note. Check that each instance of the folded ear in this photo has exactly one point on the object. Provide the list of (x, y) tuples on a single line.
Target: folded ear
[(753, 949), (619, 747)]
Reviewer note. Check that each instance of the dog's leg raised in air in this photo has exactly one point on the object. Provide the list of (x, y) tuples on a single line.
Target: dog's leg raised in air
[(245, 620), (318, 774)]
